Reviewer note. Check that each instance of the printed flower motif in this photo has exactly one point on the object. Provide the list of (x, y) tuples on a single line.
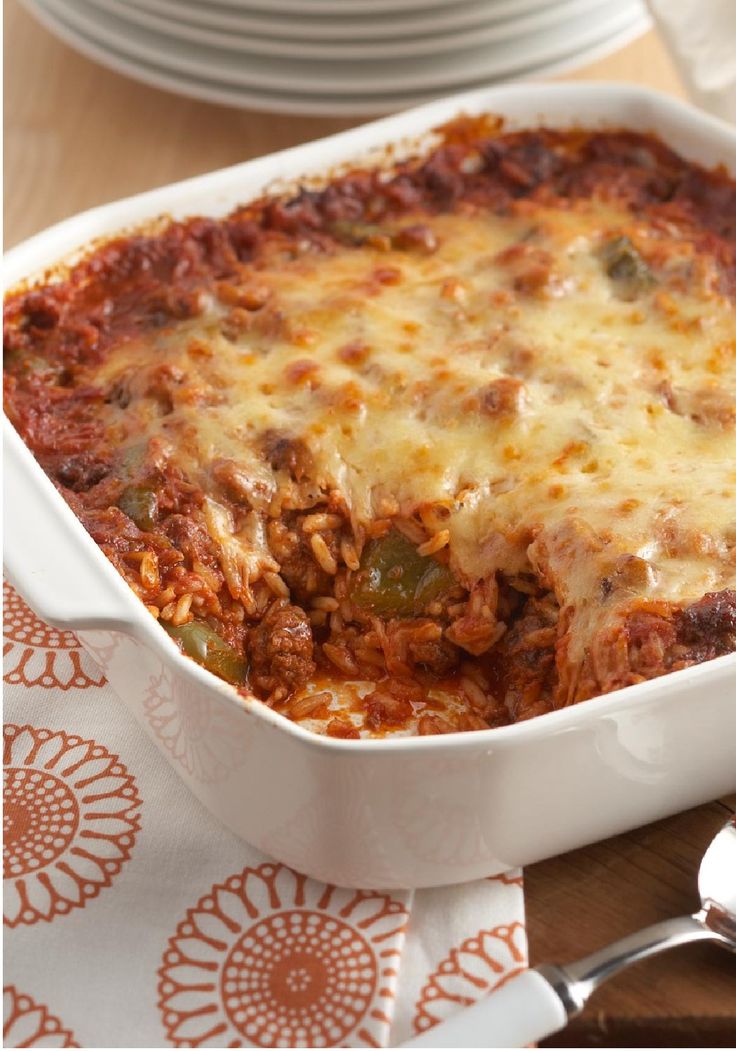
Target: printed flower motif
[(298, 838), (202, 733), (28, 1024), (69, 822), (474, 969), (35, 654), (102, 645), (441, 828), (510, 879), (270, 958)]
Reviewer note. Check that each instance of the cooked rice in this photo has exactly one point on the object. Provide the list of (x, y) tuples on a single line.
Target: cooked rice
[(322, 554), (181, 612), (435, 543)]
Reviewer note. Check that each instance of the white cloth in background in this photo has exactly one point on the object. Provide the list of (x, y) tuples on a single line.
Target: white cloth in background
[(701, 38)]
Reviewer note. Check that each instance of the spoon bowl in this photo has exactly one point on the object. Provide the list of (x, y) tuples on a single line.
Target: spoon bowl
[(717, 884)]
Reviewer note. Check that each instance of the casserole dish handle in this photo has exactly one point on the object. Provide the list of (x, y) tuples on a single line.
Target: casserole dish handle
[(49, 558)]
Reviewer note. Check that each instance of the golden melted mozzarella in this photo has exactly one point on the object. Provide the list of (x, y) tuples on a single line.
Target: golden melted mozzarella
[(499, 374)]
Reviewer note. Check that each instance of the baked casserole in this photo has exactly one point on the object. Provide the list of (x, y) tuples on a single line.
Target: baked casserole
[(440, 445)]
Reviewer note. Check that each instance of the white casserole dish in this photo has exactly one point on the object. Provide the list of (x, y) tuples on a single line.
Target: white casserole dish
[(384, 813)]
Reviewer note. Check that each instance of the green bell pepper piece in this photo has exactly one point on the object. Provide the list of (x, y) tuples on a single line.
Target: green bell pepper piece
[(394, 580), (205, 646)]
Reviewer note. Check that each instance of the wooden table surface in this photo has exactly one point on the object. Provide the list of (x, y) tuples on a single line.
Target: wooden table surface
[(77, 135)]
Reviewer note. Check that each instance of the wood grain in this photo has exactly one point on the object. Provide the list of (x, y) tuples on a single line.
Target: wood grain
[(584, 900), (77, 135)]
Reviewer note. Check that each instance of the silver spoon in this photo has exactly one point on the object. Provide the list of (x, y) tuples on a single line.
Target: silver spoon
[(542, 1000)]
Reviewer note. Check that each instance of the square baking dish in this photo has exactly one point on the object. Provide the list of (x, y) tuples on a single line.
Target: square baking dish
[(408, 812)]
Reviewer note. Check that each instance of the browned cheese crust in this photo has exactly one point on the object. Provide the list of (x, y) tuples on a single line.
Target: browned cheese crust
[(457, 436)]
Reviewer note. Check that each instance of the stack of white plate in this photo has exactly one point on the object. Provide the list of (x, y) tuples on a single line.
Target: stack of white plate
[(338, 56)]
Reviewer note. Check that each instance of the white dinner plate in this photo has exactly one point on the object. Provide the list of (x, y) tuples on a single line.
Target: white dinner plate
[(337, 7), (387, 24), (276, 102), (418, 74), (403, 47)]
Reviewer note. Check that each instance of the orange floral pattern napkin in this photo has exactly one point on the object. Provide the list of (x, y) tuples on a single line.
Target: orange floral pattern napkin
[(132, 918)]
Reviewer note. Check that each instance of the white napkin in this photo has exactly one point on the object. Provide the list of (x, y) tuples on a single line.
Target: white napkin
[(701, 37), (132, 919)]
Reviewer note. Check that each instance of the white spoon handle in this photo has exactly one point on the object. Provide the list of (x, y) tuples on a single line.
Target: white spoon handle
[(520, 1013), (540, 1001)]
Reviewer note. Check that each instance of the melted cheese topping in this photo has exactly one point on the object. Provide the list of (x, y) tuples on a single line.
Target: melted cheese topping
[(501, 375)]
